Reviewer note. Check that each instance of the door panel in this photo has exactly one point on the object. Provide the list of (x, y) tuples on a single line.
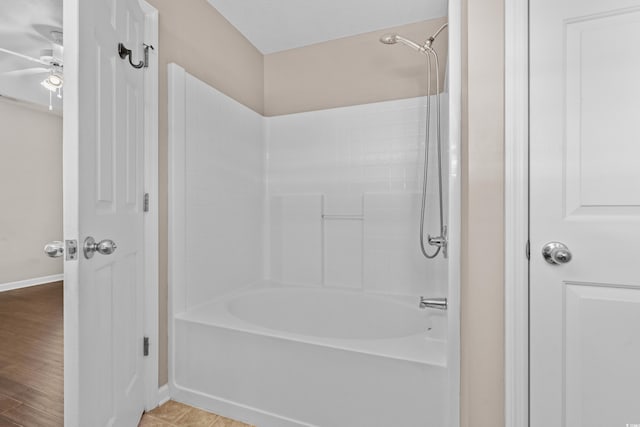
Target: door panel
[(106, 383), (602, 114), (602, 348), (585, 193)]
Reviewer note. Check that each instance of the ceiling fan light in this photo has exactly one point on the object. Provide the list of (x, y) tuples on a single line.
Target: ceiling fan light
[(53, 82), (56, 80)]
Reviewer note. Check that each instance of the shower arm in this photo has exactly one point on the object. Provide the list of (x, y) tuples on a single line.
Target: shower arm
[(430, 40)]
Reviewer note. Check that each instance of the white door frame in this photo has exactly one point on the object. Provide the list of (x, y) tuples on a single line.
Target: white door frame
[(454, 220), (71, 23), (516, 213), (151, 230)]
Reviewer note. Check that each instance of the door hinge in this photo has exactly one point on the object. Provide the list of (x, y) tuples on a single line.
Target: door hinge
[(145, 204), (145, 346), (527, 250)]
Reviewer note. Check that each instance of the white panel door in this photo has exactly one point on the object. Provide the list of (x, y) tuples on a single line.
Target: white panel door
[(103, 185), (585, 193)]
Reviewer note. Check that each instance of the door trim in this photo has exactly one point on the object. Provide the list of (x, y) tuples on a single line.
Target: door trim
[(454, 217), (151, 219), (516, 213)]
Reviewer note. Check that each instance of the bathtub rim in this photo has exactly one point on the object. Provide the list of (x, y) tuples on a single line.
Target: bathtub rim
[(393, 348)]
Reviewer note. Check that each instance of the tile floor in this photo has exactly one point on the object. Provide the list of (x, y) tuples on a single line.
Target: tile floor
[(174, 414)]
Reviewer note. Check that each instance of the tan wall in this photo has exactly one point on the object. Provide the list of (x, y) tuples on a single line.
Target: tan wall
[(194, 35), (30, 191), (350, 71), (482, 288)]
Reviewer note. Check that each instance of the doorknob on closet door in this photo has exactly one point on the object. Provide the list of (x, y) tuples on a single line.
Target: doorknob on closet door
[(556, 253)]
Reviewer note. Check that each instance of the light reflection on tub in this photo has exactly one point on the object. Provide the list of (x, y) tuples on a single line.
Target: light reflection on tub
[(329, 314)]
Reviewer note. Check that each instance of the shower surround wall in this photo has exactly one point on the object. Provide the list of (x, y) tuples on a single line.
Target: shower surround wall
[(324, 198), (328, 200), (221, 195), (344, 187)]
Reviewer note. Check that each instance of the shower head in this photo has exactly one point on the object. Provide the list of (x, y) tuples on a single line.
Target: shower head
[(389, 39), (394, 38)]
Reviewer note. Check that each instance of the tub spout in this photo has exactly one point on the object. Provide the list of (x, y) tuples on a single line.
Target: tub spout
[(438, 303)]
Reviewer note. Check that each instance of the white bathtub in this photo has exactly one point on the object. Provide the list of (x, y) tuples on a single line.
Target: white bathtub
[(290, 356)]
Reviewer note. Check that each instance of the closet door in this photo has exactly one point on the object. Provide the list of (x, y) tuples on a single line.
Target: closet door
[(585, 213)]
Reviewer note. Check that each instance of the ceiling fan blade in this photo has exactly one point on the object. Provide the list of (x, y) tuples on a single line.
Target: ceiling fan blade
[(58, 52), (26, 72), (19, 55)]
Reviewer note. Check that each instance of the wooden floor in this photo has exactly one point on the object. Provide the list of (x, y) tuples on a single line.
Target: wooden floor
[(31, 357), (31, 366)]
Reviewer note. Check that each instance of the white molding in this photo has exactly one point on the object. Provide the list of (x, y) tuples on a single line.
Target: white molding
[(151, 248), (454, 220), (164, 394), (36, 281), (70, 154), (516, 213)]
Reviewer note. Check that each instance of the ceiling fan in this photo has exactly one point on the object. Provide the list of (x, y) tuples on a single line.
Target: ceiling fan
[(50, 62)]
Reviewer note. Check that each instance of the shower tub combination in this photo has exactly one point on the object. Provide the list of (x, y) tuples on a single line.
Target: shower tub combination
[(301, 356), (333, 338)]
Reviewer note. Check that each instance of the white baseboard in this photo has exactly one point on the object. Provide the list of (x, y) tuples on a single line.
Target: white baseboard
[(164, 395), (232, 410), (30, 282)]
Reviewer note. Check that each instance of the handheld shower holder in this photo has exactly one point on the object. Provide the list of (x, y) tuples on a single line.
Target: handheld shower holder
[(441, 241)]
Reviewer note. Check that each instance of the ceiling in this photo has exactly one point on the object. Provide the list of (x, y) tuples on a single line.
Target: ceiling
[(272, 25), (25, 27)]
